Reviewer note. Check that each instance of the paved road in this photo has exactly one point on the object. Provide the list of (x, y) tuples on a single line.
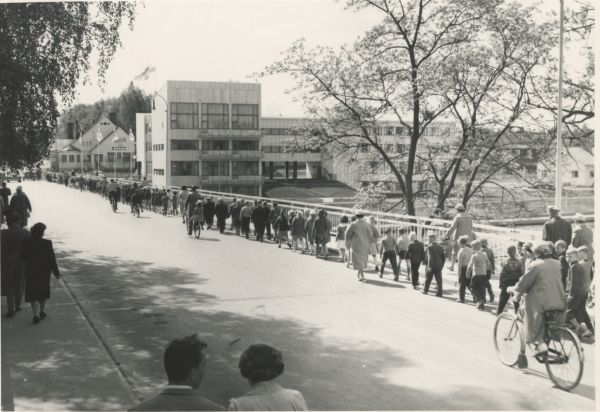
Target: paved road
[(347, 345)]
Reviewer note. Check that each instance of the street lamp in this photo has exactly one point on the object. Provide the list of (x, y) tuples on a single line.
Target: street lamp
[(558, 178)]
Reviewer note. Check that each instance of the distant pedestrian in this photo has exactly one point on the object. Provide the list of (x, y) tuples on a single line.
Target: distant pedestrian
[(560, 248), (583, 235), (556, 228), (4, 194), (245, 217), (578, 292), (416, 255), (236, 220), (462, 225), (434, 259), (373, 246), (403, 243), (164, 200), (322, 233), (298, 232), (512, 270), (340, 238), (359, 237), (40, 262), (388, 251), (185, 362), (309, 226), (260, 219), (492, 268), (221, 213), (283, 226), (274, 213), (11, 263), (464, 257), (260, 364), (477, 272), (19, 203), (209, 213)]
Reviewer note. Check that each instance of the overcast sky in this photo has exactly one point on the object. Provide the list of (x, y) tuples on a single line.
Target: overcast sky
[(221, 40)]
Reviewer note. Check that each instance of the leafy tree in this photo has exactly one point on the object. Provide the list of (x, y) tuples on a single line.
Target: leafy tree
[(131, 101), (45, 49)]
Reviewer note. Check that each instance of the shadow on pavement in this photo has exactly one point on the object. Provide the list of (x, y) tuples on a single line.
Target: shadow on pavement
[(138, 308)]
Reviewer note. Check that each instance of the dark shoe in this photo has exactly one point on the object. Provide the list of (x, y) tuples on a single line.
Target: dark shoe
[(376, 268), (36, 320), (438, 295), (492, 298), (380, 274), (460, 300), (424, 292), (43, 315), (396, 279)]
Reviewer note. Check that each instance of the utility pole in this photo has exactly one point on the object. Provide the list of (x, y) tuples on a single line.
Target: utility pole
[(558, 179)]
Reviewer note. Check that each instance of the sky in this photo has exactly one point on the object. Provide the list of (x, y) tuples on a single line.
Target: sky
[(223, 40)]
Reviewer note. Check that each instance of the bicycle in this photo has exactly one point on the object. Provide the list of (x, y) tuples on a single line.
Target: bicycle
[(564, 359), (196, 227), (136, 210), (113, 201)]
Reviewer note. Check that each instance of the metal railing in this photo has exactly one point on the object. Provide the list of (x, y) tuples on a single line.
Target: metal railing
[(499, 238)]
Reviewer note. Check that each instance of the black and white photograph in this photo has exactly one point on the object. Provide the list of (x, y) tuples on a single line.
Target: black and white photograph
[(292, 205)]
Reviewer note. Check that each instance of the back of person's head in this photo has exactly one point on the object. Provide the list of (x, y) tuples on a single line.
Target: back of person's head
[(402, 231), (183, 355), (463, 240), (579, 218), (511, 251), (542, 250), (484, 243), (183, 187), (432, 237), (344, 219), (572, 254), (354, 218), (476, 245), (560, 244), (412, 236), (260, 363), (388, 231), (3, 184), (37, 230)]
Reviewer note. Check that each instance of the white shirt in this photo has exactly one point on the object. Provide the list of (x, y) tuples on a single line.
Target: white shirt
[(269, 396)]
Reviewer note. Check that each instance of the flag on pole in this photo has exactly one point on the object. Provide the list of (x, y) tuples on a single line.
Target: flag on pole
[(115, 136), (131, 136), (99, 136), (146, 73)]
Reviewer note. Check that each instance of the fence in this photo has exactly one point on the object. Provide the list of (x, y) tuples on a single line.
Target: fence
[(499, 238)]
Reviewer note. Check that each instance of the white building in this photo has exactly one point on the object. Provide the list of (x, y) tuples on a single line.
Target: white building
[(577, 168)]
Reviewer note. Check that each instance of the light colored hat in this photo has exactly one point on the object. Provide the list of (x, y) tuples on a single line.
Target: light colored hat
[(460, 207), (572, 250), (579, 218), (553, 209)]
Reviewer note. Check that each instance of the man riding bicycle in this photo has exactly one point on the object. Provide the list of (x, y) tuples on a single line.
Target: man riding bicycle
[(545, 294), (113, 193)]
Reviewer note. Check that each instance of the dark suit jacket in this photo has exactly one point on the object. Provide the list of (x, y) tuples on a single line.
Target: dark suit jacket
[(175, 399), (416, 252), (557, 228)]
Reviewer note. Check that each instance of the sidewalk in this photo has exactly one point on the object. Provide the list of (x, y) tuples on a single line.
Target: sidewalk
[(58, 364)]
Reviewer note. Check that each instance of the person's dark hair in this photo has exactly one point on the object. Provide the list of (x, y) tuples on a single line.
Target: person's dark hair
[(354, 218), (181, 356), (183, 187), (388, 231), (13, 218), (463, 240), (344, 219), (37, 230), (260, 363), (511, 251), (402, 231)]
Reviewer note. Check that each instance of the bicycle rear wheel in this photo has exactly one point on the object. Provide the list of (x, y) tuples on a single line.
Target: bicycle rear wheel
[(509, 340), (564, 361), (197, 230)]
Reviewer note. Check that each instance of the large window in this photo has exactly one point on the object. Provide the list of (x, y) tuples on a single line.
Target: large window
[(244, 144), (273, 149), (215, 144), (126, 157), (244, 168), (216, 168), (63, 158), (110, 157), (184, 115), (148, 146), (71, 158), (184, 168), (215, 116), (244, 116), (78, 158), (184, 144), (269, 131)]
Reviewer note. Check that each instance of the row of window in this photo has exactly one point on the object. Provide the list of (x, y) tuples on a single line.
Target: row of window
[(214, 168), (214, 116), (159, 172), (110, 157), (287, 149), (158, 147), (148, 146)]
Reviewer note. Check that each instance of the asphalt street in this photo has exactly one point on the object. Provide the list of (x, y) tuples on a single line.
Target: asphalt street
[(347, 345)]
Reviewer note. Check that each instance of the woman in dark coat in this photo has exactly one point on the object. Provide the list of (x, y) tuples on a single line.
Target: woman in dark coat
[(38, 255)]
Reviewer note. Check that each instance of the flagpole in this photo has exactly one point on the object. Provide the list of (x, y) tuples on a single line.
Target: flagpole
[(558, 178)]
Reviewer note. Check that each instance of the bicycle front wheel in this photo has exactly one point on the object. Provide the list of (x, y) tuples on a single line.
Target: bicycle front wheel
[(197, 230), (508, 339), (564, 361)]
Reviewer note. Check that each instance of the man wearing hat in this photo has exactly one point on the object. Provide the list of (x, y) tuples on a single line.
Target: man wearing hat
[(19, 203), (583, 235), (462, 225), (556, 228)]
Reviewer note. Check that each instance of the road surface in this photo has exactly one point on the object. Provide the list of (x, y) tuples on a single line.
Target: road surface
[(347, 345)]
